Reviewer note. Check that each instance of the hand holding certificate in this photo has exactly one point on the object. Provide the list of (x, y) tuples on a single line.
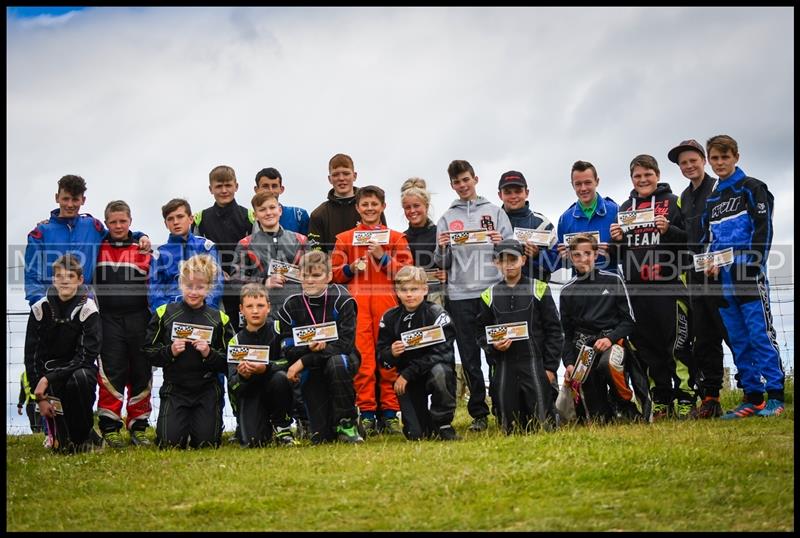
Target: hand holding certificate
[(540, 238), (308, 334), (719, 258), (190, 331), (583, 364), (568, 237), (507, 331), (369, 237), (251, 353), (422, 337), (636, 218), (285, 269), (470, 237)]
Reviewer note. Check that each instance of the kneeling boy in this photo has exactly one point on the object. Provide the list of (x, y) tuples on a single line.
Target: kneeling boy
[(187, 339), (261, 392), (62, 344), (596, 312), (324, 369), (425, 371)]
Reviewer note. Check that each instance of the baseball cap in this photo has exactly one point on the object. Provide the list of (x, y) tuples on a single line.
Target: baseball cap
[(512, 177), (510, 246), (691, 144)]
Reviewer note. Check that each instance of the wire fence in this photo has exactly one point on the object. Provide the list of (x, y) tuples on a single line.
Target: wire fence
[(781, 298)]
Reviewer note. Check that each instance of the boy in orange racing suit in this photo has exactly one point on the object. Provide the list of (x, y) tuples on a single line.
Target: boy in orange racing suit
[(368, 265)]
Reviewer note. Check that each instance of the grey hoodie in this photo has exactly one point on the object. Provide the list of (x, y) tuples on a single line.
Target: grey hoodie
[(469, 267)]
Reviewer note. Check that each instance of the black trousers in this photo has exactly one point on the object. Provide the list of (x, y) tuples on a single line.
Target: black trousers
[(34, 417), (123, 364), (524, 394), (77, 394), (604, 391), (263, 405), (329, 395), (189, 416), (654, 339), (707, 334), (464, 314), (419, 421)]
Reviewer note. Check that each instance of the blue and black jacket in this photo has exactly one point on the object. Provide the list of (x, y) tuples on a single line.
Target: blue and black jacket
[(738, 214)]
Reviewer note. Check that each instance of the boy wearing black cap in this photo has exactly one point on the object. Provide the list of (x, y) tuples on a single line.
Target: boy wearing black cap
[(705, 324), (525, 368), (513, 191)]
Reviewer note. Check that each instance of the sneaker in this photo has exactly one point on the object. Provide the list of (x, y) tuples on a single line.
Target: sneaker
[(448, 433), (772, 409), (284, 437), (479, 424), (684, 409), (370, 427), (391, 426), (745, 409), (710, 408), (139, 438), (662, 411), (113, 439), (347, 433)]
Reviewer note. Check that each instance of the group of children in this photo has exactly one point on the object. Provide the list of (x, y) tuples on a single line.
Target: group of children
[(345, 327)]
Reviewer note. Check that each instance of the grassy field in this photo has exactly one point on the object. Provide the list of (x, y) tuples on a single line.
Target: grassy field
[(669, 476)]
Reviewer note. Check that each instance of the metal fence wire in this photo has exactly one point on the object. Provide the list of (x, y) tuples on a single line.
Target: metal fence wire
[(781, 297)]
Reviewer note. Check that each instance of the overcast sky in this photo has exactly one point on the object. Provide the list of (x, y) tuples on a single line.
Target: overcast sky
[(144, 102)]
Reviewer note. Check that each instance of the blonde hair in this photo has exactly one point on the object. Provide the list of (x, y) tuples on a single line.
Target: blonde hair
[(410, 273), (199, 265), (315, 258), (261, 197), (221, 174), (415, 186), (253, 289)]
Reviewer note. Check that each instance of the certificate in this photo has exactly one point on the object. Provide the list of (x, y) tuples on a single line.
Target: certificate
[(430, 277), (191, 331), (56, 403), (583, 364), (513, 331), (720, 258), (423, 337), (542, 238), (291, 272), (636, 217), (469, 237), (371, 237), (568, 237), (322, 332), (240, 352)]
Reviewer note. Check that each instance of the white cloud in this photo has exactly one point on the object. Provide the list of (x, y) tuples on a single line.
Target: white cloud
[(46, 21)]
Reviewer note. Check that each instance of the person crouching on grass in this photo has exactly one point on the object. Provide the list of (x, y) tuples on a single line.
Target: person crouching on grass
[(324, 370), (261, 393), (191, 393), (526, 369), (62, 345), (596, 312), (423, 372)]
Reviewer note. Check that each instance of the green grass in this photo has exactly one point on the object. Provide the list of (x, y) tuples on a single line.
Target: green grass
[(669, 476)]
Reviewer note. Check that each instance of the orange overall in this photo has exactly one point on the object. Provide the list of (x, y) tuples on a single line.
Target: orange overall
[(373, 290)]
